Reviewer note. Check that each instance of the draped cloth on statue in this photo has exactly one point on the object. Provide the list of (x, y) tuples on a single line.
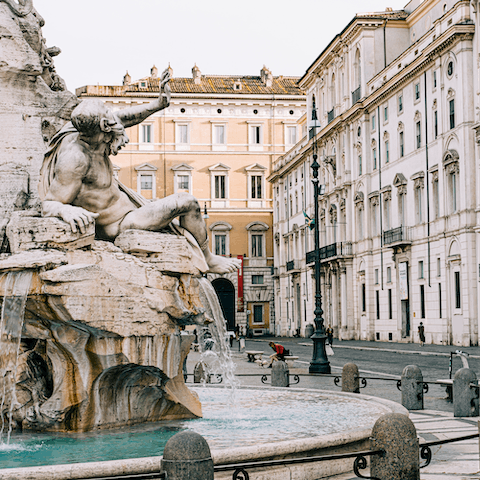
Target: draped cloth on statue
[(47, 174)]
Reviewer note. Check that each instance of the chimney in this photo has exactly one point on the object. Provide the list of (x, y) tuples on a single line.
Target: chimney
[(267, 77), (197, 75), (154, 72), (127, 79)]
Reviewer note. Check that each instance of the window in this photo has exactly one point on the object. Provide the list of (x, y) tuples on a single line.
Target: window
[(146, 182), (390, 306), (422, 301), (258, 314), (420, 269), (377, 295), (257, 279), (440, 300), (436, 196), (418, 130), (257, 245), (373, 122), (220, 191), (450, 69), (183, 182), (374, 153), (182, 134), (434, 79), (439, 272), (291, 135), (401, 208), (453, 187), (400, 103), (376, 276), (389, 274), (451, 105), (402, 144), (364, 298), (386, 212), (359, 165), (256, 186), (435, 124), (387, 151), (417, 91), (220, 244), (360, 223), (255, 134), (219, 134), (419, 204), (385, 114), (457, 290), (146, 133)]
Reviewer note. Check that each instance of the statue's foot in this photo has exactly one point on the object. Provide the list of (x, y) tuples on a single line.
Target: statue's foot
[(218, 264)]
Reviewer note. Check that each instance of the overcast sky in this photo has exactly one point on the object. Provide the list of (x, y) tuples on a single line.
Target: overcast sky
[(101, 39)]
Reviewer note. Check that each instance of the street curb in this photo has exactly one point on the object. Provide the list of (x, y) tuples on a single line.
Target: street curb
[(401, 352)]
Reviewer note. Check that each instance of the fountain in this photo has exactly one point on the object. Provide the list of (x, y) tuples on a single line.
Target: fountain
[(91, 329)]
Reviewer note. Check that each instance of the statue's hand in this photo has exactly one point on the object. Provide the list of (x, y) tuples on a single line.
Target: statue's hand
[(165, 90), (77, 217)]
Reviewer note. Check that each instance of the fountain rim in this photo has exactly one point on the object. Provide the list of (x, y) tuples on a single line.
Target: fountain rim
[(145, 465)]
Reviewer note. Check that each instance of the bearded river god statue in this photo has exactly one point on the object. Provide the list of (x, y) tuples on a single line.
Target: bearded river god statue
[(96, 282)]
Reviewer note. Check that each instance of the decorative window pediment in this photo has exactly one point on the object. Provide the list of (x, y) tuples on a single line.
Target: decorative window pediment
[(221, 226), (359, 197), (257, 226), (182, 167), (146, 167), (219, 167), (255, 167), (450, 156), (399, 180)]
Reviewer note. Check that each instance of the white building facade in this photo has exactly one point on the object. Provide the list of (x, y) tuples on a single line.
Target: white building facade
[(396, 95)]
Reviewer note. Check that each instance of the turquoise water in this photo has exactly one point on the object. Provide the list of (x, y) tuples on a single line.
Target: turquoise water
[(257, 416)]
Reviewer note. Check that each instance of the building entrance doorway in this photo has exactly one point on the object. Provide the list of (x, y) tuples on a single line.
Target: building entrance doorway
[(226, 295)]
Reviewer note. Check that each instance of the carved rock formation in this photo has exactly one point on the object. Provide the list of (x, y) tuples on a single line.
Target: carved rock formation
[(101, 343)]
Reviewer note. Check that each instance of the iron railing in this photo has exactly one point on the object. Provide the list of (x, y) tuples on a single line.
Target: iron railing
[(356, 95), (399, 234), (360, 463), (338, 249), (331, 115)]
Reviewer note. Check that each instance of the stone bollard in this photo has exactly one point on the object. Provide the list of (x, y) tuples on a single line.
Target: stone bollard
[(200, 374), (350, 379), (412, 388), (396, 435), (465, 398), (187, 456), (280, 374)]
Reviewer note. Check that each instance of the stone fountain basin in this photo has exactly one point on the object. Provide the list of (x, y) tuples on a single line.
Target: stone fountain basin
[(347, 440)]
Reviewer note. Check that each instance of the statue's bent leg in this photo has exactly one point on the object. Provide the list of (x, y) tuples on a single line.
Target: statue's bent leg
[(157, 215)]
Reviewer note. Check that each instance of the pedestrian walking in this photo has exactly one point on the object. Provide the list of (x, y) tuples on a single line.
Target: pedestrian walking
[(421, 334), (329, 333)]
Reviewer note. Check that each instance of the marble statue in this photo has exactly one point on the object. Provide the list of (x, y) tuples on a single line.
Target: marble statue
[(77, 183), (93, 295)]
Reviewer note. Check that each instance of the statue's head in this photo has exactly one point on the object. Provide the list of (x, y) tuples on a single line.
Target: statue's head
[(92, 117)]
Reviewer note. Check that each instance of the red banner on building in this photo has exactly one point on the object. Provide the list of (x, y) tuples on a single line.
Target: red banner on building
[(240, 304)]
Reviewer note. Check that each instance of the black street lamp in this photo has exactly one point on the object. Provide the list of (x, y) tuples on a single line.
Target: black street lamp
[(319, 363)]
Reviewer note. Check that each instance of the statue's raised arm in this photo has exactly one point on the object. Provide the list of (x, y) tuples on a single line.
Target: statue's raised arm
[(77, 184), (135, 115)]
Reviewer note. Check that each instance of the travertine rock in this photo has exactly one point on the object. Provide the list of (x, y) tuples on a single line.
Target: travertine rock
[(35, 232), (170, 253)]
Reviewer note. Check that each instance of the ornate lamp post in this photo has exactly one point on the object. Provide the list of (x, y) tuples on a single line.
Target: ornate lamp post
[(319, 363)]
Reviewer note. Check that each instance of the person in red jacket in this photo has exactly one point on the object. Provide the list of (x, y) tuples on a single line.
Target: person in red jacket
[(280, 352)]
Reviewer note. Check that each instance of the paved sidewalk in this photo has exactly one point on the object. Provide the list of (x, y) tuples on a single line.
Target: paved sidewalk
[(459, 461)]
